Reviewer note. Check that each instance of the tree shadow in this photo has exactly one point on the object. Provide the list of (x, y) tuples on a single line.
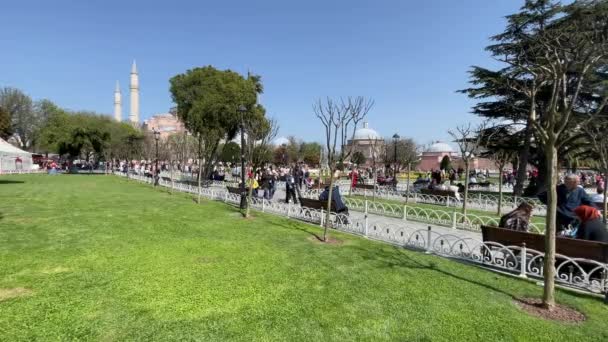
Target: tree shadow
[(399, 257), (10, 181)]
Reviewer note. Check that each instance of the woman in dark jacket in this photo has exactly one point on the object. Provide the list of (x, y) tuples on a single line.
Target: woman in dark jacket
[(592, 227)]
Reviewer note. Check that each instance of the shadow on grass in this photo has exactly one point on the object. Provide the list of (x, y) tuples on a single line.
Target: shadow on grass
[(400, 258), (9, 181)]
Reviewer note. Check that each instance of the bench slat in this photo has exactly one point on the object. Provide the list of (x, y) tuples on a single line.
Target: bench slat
[(573, 248)]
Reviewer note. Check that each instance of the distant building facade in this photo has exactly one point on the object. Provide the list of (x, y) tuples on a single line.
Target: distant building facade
[(432, 156), (368, 142), (166, 123)]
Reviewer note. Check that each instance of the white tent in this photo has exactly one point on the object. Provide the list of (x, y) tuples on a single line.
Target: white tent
[(13, 158)]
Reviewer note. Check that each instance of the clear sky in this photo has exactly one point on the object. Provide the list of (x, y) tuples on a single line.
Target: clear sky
[(409, 56)]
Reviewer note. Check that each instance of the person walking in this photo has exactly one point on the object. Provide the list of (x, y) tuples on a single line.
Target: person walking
[(290, 188)]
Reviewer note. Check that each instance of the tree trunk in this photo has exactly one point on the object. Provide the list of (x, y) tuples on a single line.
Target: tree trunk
[(171, 175), (250, 193), (499, 210), (200, 166), (374, 182), (409, 170), (550, 229), (328, 213), (200, 171), (466, 189), (522, 169), (605, 202)]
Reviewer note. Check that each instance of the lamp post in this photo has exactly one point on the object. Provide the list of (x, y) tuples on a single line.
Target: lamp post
[(157, 172), (242, 109), (395, 140)]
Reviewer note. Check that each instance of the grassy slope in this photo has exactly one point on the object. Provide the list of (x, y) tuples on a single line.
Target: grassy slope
[(112, 260)]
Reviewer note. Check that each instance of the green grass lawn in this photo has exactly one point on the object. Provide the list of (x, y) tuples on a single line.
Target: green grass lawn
[(101, 258)]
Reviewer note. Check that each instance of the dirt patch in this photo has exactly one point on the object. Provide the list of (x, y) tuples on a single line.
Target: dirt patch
[(329, 241), (559, 313), (6, 294)]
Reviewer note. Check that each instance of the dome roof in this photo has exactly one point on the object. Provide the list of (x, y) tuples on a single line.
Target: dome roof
[(366, 133), (280, 141), (440, 147)]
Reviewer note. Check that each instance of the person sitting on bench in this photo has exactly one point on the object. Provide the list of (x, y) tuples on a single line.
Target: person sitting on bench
[(569, 196), (339, 205), (591, 226), (518, 219)]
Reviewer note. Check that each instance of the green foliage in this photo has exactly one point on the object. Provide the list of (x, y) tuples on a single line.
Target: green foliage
[(311, 153), (22, 115), (6, 129), (84, 134), (445, 164), (358, 158), (231, 152), (207, 100)]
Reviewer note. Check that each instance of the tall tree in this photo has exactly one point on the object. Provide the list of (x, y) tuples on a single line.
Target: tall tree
[(339, 119), (553, 54), (207, 101), (469, 140), (508, 95), (260, 132), (6, 129), (23, 118)]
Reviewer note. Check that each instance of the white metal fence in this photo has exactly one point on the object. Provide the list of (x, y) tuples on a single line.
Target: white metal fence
[(583, 274), (20, 172)]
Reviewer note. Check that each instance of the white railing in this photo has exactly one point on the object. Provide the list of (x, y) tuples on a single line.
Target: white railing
[(485, 202), (584, 274), (451, 218), (21, 172)]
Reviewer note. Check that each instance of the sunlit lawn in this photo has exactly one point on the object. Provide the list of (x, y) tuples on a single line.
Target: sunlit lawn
[(101, 258)]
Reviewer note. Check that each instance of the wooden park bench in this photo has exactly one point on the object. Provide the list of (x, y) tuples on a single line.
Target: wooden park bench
[(481, 184), (233, 190), (573, 248), (435, 192), (316, 204), (365, 186)]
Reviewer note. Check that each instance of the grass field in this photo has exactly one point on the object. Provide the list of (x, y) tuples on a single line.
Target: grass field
[(101, 258)]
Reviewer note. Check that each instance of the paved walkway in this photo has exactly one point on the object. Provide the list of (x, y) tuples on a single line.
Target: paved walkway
[(384, 221)]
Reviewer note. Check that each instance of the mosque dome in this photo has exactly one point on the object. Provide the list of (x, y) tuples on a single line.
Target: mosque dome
[(366, 133), (440, 147), (280, 141)]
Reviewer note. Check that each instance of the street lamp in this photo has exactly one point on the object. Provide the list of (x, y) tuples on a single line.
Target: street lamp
[(242, 109), (157, 173)]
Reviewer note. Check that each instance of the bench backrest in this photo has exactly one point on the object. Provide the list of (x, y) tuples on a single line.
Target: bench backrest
[(316, 204), (573, 248), (444, 193), (233, 190), (365, 186)]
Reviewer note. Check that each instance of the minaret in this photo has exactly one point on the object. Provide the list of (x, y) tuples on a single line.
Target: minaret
[(134, 114), (117, 103)]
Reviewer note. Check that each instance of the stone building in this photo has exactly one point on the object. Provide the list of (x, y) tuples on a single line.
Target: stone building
[(432, 156), (368, 142), (166, 123)]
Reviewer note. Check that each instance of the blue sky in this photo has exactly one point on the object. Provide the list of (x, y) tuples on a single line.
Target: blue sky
[(409, 56)]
